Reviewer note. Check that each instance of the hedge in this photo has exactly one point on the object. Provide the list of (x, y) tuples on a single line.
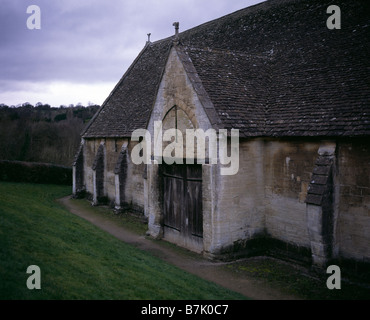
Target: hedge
[(34, 172)]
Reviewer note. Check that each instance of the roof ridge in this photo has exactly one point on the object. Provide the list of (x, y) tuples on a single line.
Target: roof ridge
[(265, 4), (261, 5)]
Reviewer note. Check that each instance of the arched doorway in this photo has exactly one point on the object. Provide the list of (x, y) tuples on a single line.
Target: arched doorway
[(182, 191), (98, 167)]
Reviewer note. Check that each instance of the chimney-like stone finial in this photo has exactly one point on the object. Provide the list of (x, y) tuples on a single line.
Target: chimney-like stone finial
[(176, 25), (148, 37)]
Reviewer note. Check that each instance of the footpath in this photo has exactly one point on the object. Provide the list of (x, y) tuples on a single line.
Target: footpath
[(214, 271)]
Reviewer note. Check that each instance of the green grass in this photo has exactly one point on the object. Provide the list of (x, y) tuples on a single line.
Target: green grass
[(78, 260), (297, 280), (127, 219)]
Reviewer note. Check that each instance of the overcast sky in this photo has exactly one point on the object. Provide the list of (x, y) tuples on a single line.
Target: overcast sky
[(84, 46)]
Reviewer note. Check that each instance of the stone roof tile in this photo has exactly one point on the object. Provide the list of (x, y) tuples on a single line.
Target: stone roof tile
[(273, 69)]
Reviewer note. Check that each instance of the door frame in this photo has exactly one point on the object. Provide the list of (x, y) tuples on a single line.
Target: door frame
[(188, 230)]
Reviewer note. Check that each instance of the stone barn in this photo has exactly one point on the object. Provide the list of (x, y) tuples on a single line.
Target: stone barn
[(292, 78)]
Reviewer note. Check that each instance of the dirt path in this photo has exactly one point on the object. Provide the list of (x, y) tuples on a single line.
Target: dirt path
[(193, 263)]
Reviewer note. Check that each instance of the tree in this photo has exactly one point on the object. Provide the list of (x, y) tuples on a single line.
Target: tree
[(28, 133), (27, 105)]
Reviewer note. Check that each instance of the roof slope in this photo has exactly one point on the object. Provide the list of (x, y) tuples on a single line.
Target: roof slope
[(129, 105), (237, 84), (273, 69)]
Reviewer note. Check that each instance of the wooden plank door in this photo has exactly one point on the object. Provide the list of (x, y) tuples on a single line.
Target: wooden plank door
[(193, 200), (182, 199)]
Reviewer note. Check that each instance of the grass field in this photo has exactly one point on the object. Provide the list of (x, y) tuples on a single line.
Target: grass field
[(78, 260)]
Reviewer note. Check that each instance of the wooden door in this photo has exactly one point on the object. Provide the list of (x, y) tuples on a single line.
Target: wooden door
[(182, 199)]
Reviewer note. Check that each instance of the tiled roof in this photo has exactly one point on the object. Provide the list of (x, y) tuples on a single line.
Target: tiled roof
[(129, 105), (273, 69), (237, 85)]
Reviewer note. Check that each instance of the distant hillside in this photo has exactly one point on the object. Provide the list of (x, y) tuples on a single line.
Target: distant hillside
[(41, 133)]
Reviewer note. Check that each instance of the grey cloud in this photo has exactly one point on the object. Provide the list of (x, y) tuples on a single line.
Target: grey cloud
[(89, 41)]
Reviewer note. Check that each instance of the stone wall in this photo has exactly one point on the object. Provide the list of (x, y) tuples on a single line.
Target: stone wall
[(112, 149), (352, 233), (239, 213), (89, 153), (320, 205), (134, 190), (78, 186), (267, 197), (288, 168), (177, 90)]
